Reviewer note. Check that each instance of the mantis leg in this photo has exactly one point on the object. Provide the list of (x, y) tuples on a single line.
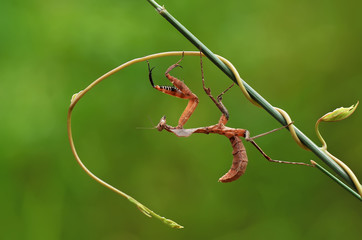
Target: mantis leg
[(218, 101), (180, 90), (251, 139)]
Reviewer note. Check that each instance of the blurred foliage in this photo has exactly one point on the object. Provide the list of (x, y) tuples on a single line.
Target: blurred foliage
[(303, 56)]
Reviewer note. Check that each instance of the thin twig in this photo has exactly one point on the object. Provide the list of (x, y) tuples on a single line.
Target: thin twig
[(250, 91)]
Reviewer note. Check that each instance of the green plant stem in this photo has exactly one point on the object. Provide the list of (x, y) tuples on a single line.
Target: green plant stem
[(337, 180), (258, 98)]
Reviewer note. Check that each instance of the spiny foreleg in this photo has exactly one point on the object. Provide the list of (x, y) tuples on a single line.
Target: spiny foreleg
[(180, 90)]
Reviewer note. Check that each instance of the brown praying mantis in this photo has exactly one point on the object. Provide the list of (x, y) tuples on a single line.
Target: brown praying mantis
[(180, 90)]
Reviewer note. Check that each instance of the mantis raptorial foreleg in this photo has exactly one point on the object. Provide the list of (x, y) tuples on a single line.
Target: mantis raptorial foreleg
[(180, 90)]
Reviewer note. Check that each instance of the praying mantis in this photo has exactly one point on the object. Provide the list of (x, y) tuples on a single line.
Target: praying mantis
[(180, 90)]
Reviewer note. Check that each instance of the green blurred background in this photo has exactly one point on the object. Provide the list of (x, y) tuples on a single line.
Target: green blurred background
[(303, 56)]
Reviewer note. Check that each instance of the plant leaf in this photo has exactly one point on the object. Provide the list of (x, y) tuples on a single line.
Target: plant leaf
[(339, 114)]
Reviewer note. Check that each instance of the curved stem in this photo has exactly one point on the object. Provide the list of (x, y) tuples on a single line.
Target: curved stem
[(324, 144), (74, 101)]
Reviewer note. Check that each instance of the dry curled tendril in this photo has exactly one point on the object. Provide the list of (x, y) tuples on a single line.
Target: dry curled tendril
[(239, 162)]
